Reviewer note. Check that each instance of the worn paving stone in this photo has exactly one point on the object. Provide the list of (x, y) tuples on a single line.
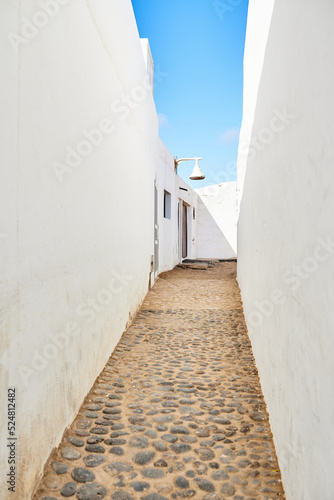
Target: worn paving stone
[(200, 468), (159, 446), (99, 430), (154, 496), (216, 496), (95, 448), (138, 442), (140, 486), (52, 482), (76, 441), (205, 454), (119, 467), (70, 453), (220, 475), (228, 489), (60, 468), (204, 484), (83, 423), (144, 457), (121, 495), (184, 494), (81, 433), (69, 489), (181, 482), (114, 442), (191, 473), (169, 438), (179, 429), (94, 460), (178, 411), (180, 448), (82, 475), (92, 491), (153, 473), (116, 450)]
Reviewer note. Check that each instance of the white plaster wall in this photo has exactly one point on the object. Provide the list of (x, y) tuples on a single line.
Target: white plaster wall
[(145, 45), (217, 221), (258, 25), (286, 236), (168, 180), (168, 228), (63, 243)]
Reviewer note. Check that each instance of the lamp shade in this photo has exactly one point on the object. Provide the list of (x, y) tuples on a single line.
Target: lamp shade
[(197, 174)]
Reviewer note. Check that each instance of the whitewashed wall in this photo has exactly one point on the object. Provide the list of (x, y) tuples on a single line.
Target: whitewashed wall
[(81, 155), (168, 230), (77, 239), (259, 12), (286, 238), (167, 180), (217, 221)]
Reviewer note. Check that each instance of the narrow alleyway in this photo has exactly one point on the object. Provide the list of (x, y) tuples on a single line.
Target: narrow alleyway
[(178, 410)]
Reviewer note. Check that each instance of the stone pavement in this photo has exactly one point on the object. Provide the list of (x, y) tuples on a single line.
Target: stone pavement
[(178, 411)]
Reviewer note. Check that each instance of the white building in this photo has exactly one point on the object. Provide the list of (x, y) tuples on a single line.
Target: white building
[(217, 221), (286, 234), (81, 242)]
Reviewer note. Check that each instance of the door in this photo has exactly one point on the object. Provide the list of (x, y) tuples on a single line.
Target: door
[(184, 231)]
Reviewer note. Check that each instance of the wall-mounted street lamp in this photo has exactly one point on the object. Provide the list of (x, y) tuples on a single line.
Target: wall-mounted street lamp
[(197, 174)]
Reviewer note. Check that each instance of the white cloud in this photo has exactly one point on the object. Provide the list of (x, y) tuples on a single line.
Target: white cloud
[(230, 135), (163, 120)]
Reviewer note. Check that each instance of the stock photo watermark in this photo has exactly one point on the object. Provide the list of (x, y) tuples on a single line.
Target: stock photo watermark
[(91, 139), (266, 135), (75, 155), (88, 309), (293, 278), (225, 7), (103, 298), (30, 28), (11, 439), (278, 123), (229, 174)]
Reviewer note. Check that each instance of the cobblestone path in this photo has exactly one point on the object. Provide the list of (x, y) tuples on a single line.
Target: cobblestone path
[(178, 410)]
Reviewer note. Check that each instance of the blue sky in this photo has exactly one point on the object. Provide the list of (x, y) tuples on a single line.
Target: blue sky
[(199, 101)]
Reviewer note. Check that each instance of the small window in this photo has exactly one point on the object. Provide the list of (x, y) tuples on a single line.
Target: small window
[(194, 213), (167, 205)]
